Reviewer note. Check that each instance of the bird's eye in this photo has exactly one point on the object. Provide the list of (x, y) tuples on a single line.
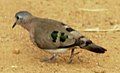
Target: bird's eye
[(17, 17)]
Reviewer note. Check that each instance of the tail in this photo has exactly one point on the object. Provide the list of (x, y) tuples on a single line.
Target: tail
[(89, 45), (94, 48)]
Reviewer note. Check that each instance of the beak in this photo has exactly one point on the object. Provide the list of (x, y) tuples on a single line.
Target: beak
[(14, 25)]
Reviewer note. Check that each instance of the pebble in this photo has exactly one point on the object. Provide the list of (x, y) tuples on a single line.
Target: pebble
[(16, 51)]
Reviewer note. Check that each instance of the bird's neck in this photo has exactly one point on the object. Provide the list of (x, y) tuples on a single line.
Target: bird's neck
[(27, 24)]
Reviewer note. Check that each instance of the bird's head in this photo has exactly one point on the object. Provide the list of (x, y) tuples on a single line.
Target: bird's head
[(22, 17)]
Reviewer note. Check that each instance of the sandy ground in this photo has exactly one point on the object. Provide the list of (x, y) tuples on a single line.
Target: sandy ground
[(19, 55)]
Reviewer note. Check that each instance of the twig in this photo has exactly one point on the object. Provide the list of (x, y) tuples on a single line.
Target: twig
[(115, 28), (93, 10)]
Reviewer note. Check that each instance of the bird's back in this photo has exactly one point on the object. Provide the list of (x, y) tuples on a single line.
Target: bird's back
[(46, 29)]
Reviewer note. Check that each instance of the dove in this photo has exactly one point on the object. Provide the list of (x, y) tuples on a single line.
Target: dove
[(54, 36)]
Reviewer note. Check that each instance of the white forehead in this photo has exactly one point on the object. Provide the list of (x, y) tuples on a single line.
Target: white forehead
[(22, 14)]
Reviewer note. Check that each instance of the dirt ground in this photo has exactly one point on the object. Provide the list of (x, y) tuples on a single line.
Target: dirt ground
[(19, 55)]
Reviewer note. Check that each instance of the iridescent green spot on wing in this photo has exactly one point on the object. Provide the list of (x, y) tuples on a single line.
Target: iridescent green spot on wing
[(54, 36), (63, 37)]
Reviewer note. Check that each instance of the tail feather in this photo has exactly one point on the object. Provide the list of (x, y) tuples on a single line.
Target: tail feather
[(95, 48), (89, 45)]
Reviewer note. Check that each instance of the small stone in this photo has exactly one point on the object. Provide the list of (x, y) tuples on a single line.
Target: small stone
[(14, 66), (16, 51)]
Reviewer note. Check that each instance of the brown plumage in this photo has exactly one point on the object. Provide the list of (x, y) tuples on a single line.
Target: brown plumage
[(52, 35)]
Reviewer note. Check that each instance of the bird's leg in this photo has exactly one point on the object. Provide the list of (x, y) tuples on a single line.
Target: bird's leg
[(51, 58), (72, 55)]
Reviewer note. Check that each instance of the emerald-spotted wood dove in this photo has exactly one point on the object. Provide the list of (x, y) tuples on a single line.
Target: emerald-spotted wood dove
[(54, 36)]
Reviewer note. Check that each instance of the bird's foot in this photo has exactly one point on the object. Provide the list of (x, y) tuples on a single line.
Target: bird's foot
[(51, 59)]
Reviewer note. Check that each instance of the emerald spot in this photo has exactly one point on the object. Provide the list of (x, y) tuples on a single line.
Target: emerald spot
[(63, 37), (54, 36)]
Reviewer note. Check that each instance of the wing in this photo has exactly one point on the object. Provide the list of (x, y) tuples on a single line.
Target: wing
[(53, 34)]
